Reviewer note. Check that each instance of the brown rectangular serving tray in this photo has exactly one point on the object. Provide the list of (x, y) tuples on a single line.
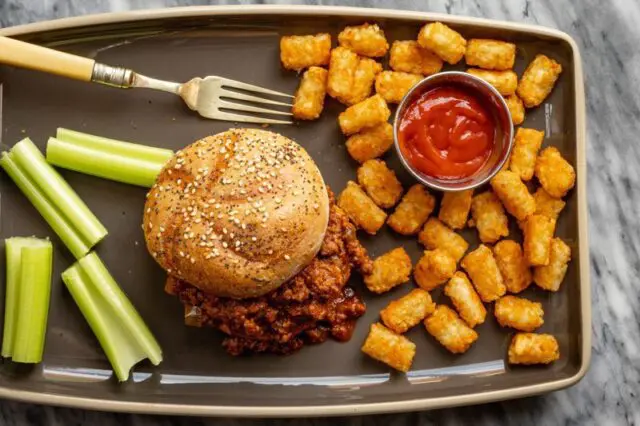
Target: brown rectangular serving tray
[(197, 377)]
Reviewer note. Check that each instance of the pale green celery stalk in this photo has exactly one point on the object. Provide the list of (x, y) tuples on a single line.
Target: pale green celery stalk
[(71, 239), (124, 168), (122, 333), (124, 149), (28, 290), (31, 161)]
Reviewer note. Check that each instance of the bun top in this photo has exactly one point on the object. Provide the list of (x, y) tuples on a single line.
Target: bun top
[(238, 213)]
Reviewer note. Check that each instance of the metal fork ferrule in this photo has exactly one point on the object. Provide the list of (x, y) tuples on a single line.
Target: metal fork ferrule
[(112, 76)]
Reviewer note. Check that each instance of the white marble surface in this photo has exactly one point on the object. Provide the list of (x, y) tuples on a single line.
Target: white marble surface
[(608, 34)]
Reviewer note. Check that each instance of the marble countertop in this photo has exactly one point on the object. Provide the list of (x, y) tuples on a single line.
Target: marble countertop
[(607, 34)]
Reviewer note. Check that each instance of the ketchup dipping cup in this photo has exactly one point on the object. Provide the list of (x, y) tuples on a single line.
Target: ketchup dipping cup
[(453, 131)]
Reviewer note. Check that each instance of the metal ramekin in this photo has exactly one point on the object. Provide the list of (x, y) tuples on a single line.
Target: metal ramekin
[(494, 102)]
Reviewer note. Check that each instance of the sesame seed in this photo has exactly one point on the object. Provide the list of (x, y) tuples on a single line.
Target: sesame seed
[(181, 254), (270, 251), (193, 260), (224, 244), (254, 239), (287, 257), (237, 243), (224, 230)]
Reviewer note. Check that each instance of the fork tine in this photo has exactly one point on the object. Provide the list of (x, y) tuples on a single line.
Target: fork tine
[(249, 108), (241, 96), (246, 118), (244, 86)]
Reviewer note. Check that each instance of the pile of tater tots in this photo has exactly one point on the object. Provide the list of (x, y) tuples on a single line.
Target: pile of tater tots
[(499, 268)]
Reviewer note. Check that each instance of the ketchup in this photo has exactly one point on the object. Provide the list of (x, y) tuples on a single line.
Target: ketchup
[(446, 133)]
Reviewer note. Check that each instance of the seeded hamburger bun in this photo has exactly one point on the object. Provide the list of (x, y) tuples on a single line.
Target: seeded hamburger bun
[(237, 214)]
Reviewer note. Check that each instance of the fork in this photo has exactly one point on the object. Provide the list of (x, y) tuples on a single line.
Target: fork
[(212, 96)]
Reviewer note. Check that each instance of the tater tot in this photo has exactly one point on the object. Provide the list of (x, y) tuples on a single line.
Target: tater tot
[(514, 194), (518, 313), (299, 52), (526, 145), (407, 56), (490, 54), (365, 40), (309, 100), (380, 183), (489, 217), (363, 80), (371, 112), (370, 143), (512, 265), (465, 299), (505, 82), (547, 205), (414, 209), (555, 173), (454, 209), (550, 277), (342, 70), (389, 270), (533, 348), (538, 231), (406, 312), (361, 209), (538, 80), (435, 267), (386, 346), (435, 235), (392, 85), (448, 329), (448, 44), (484, 273), (516, 108)]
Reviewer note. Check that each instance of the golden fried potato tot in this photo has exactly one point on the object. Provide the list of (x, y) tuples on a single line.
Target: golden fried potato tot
[(519, 313), (366, 40), (538, 231), (342, 70), (490, 54), (489, 217), (454, 209), (448, 44), (514, 194), (516, 108), (533, 348), (406, 312), (380, 182), (389, 270), (386, 346), (547, 205), (555, 173), (371, 112), (370, 143), (484, 273), (435, 267), (435, 235), (414, 209), (309, 99), (550, 277), (407, 56), (363, 79), (538, 80), (512, 265), (505, 82), (361, 209), (465, 299), (526, 145), (448, 329), (392, 85), (299, 52)]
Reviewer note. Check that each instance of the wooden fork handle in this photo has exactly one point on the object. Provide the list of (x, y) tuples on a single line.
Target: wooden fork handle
[(30, 56)]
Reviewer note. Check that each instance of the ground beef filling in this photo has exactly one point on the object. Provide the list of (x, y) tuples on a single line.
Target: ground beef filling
[(312, 306)]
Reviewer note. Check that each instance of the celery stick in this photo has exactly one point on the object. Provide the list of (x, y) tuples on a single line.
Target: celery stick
[(32, 290), (124, 149), (122, 333), (47, 210), (31, 161), (114, 166)]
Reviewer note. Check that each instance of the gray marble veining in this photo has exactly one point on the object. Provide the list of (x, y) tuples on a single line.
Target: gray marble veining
[(608, 35)]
